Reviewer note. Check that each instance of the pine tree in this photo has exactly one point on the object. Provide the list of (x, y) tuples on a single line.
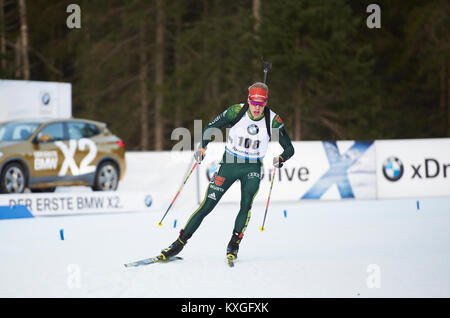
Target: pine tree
[(321, 75)]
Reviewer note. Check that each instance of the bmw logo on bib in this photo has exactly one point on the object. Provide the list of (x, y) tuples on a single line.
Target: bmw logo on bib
[(252, 129)]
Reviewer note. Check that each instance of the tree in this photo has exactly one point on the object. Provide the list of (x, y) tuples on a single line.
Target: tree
[(143, 78), (215, 66), (322, 75), (145, 70), (24, 40), (159, 76), (2, 36), (410, 48), (428, 43)]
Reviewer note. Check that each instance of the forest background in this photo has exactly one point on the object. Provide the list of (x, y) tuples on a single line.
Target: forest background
[(147, 67)]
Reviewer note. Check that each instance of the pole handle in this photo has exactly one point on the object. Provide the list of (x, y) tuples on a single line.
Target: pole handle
[(267, 66)]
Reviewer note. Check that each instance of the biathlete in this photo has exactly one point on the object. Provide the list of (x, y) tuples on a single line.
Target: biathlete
[(252, 125)]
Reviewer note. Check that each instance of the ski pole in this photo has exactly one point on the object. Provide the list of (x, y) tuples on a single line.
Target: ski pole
[(268, 199), (195, 165)]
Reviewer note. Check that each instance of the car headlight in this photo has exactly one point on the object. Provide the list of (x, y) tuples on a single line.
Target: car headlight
[(1, 154)]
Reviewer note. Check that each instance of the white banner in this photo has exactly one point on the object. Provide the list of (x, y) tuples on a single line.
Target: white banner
[(413, 168), (31, 99), (68, 203), (162, 172), (318, 170)]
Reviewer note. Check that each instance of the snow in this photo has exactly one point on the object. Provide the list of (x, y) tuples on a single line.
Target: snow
[(368, 248)]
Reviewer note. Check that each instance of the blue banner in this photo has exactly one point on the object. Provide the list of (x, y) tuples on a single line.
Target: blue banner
[(15, 212)]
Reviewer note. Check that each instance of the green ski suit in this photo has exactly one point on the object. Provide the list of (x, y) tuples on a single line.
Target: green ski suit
[(234, 167)]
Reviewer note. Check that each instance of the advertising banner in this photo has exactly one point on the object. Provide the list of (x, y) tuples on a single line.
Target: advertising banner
[(32, 99), (318, 170), (162, 172), (68, 203), (413, 168)]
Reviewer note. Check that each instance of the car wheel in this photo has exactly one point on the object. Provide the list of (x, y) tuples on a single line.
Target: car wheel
[(106, 178), (13, 179)]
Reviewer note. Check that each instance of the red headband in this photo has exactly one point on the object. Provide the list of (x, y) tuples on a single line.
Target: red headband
[(257, 93)]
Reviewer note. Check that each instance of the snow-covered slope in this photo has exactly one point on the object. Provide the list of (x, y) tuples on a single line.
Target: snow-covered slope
[(350, 248)]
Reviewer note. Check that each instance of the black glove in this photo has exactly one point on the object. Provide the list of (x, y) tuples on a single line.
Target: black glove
[(199, 154), (278, 162)]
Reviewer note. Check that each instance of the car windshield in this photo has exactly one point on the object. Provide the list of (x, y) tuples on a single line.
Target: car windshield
[(17, 131)]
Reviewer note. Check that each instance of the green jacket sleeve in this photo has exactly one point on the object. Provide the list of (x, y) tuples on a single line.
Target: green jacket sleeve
[(284, 140), (223, 120)]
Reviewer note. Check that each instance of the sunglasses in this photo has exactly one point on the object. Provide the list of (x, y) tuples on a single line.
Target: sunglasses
[(255, 103)]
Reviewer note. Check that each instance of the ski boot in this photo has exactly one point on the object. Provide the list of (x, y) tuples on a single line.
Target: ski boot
[(175, 247), (233, 245)]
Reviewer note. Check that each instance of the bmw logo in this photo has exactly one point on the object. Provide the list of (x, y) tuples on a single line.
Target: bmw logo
[(393, 169), (252, 129), (148, 200), (46, 98)]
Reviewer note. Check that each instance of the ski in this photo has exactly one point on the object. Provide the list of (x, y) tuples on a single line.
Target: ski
[(152, 260)]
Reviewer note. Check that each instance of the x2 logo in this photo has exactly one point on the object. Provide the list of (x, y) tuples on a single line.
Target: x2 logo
[(337, 173), (69, 153)]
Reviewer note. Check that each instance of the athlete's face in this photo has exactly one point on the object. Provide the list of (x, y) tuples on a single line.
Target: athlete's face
[(257, 106)]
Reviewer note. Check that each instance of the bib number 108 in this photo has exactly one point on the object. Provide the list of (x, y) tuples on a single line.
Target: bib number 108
[(248, 143)]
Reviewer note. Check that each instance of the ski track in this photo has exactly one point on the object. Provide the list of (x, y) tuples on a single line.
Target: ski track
[(321, 249)]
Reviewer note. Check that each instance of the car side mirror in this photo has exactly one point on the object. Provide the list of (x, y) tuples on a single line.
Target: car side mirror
[(44, 138)]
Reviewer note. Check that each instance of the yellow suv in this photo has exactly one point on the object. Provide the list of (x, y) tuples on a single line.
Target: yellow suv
[(41, 154)]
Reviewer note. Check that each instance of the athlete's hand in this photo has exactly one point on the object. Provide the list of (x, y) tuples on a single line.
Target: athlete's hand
[(199, 154), (278, 162)]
